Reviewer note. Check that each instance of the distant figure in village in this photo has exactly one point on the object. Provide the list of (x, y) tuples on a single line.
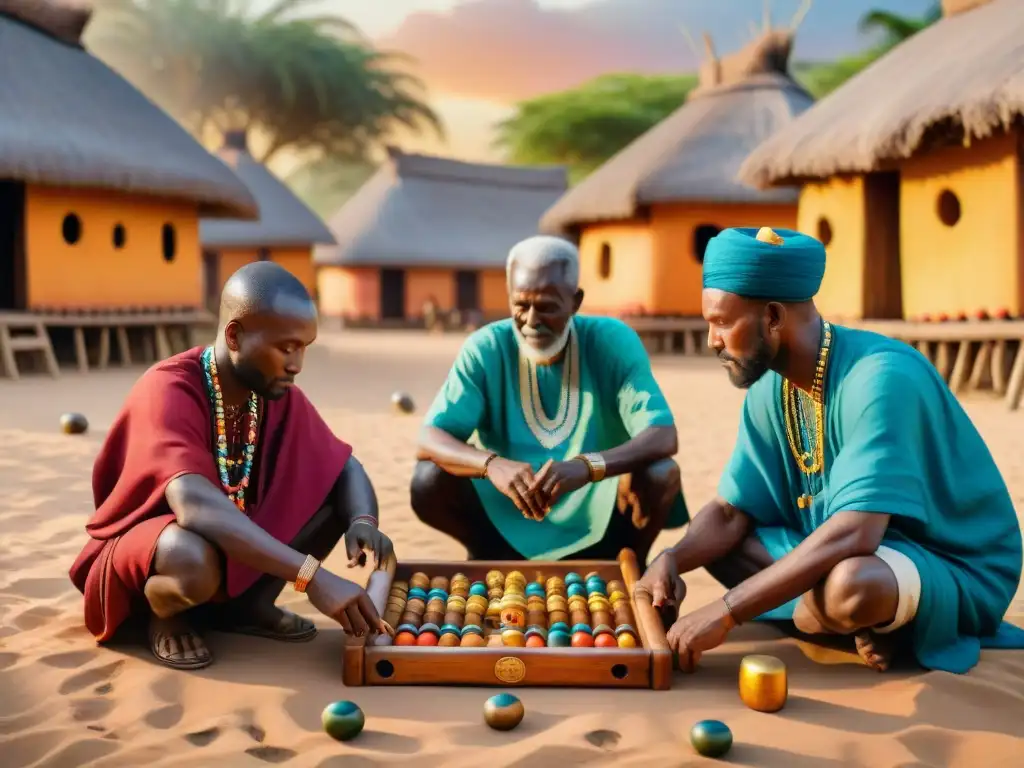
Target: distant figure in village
[(574, 441), (219, 481), (860, 499)]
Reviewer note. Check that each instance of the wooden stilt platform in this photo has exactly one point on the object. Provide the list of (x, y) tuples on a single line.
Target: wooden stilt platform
[(973, 355), (140, 336)]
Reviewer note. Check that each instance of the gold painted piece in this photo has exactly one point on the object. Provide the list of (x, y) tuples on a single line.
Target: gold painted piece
[(769, 235), (764, 685), (509, 669)]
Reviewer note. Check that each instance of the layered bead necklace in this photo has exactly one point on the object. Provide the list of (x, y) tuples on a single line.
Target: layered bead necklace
[(552, 432), (805, 420), (234, 470)]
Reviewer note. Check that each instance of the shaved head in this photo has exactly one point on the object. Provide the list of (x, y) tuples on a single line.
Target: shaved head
[(267, 319)]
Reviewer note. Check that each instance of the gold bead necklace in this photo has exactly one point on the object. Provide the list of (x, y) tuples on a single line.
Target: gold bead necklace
[(812, 460)]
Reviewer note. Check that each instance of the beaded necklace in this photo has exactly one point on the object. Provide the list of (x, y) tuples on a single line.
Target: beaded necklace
[(809, 452), (552, 432), (235, 491)]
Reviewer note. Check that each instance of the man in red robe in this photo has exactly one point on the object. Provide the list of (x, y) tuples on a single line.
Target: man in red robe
[(219, 481)]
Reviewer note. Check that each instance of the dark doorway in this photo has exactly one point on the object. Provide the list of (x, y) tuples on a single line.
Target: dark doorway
[(467, 291), (883, 289), (12, 245), (211, 280), (392, 294), (702, 235)]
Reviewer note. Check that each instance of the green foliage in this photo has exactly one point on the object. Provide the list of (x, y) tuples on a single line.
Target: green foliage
[(585, 126), (302, 82)]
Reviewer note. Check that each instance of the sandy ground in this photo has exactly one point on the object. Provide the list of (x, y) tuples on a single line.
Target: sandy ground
[(66, 702)]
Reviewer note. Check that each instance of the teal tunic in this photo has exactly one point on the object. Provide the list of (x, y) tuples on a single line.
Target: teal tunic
[(897, 442), (619, 398)]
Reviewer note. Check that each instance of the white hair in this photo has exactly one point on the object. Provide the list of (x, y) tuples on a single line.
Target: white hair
[(542, 251)]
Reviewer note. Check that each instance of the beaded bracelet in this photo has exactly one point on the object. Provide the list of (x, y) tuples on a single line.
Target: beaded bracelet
[(365, 518), (306, 573), (728, 607), (487, 463)]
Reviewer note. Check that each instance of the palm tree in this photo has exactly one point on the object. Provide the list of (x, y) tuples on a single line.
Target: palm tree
[(896, 28), (299, 82)]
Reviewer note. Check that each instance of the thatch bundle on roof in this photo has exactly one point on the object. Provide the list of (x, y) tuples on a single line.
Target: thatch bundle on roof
[(71, 121), (284, 219), (961, 78), (431, 211), (695, 153)]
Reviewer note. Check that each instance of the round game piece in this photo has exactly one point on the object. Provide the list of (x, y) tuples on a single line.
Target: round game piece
[(473, 641), (592, 575), (573, 578), (439, 582), (616, 596), (494, 579), (763, 683), (405, 638), (605, 640), (427, 639), (513, 637), (419, 581), (711, 738), (402, 402), (616, 586), (503, 711), (342, 720), (478, 588), (559, 639), (576, 589), (436, 594), (602, 629), (582, 627), (559, 626), (625, 640), (581, 640), (557, 603), (418, 593), (596, 586), (472, 629), (450, 629), (536, 641), (535, 588), (449, 641), (515, 577), (74, 424), (538, 631)]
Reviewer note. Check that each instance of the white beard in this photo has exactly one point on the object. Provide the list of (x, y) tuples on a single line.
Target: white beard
[(547, 354)]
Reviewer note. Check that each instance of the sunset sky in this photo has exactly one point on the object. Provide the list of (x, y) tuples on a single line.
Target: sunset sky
[(478, 57)]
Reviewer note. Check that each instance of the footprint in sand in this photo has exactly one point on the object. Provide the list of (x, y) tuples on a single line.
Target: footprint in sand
[(40, 589), (603, 739), (89, 677), (164, 717), (272, 754), (255, 732), (8, 660), (202, 738), (69, 660), (36, 617), (167, 688), (84, 710)]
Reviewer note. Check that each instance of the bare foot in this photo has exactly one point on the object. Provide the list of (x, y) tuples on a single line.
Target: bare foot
[(177, 645), (875, 650)]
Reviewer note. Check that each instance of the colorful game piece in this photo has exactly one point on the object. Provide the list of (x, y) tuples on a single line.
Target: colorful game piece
[(74, 424), (582, 640), (763, 683), (503, 712), (558, 638), (342, 720), (478, 588), (513, 637), (711, 738)]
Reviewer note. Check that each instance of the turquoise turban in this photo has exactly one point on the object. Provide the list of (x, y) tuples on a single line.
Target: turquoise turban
[(780, 265)]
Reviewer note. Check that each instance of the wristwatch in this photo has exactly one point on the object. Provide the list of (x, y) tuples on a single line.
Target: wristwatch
[(595, 463)]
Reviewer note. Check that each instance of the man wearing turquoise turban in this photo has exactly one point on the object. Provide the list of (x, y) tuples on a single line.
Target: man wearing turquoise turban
[(859, 500)]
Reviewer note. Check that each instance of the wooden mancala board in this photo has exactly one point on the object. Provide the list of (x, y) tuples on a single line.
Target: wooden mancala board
[(430, 604)]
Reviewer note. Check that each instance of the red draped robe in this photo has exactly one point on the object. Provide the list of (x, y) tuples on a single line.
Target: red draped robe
[(165, 430)]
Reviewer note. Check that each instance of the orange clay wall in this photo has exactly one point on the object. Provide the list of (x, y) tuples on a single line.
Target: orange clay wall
[(833, 212), (93, 273), (297, 260), (974, 263), (354, 292), (651, 266)]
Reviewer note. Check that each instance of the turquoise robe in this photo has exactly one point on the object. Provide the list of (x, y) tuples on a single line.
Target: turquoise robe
[(619, 399), (897, 442)]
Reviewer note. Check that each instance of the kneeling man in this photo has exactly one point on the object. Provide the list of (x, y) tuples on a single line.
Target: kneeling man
[(860, 499), (550, 438)]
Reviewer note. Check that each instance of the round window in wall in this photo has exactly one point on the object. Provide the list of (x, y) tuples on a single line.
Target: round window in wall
[(169, 242), (948, 206), (120, 236), (824, 231), (71, 228), (604, 265), (702, 235)]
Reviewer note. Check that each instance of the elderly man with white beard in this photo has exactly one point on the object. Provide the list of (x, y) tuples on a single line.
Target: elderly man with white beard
[(550, 438)]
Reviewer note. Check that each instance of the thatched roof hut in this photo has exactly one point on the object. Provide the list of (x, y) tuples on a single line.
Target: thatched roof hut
[(284, 219), (695, 153), (419, 210), (71, 121), (962, 79)]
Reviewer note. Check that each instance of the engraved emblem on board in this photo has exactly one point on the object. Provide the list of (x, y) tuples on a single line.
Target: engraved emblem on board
[(509, 669)]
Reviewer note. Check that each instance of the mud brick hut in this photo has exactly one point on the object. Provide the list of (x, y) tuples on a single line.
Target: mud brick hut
[(286, 232), (644, 218), (428, 229), (912, 171)]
